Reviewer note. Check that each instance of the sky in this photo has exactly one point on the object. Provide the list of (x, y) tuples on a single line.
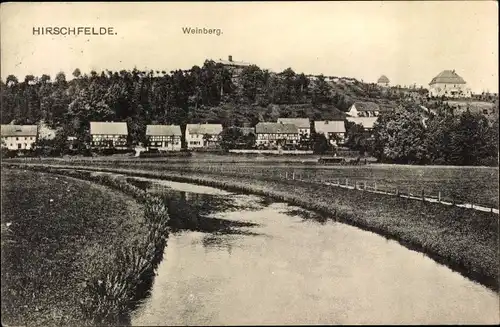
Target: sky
[(409, 42)]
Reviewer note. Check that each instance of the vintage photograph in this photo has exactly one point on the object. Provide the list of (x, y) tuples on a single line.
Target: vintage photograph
[(249, 163)]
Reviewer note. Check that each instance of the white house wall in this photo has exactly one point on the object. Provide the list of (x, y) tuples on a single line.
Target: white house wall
[(19, 142)]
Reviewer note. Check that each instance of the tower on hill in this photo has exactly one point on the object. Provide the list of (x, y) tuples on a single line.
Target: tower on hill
[(383, 81)]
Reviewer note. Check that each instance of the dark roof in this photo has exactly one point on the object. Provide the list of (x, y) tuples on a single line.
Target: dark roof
[(19, 130), (383, 79), (163, 130), (299, 122), (276, 128), (108, 128), (448, 77)]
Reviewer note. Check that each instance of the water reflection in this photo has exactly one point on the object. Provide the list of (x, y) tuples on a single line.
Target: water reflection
[(275, 264)]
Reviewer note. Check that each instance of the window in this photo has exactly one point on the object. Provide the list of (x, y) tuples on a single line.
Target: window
[(17, 138), (19, 146)]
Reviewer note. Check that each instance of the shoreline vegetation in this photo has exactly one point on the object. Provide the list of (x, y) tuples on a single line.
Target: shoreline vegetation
[(91, 268), (465, 240)]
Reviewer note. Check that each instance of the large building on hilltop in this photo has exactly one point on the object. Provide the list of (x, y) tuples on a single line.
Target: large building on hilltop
[(449, 84)]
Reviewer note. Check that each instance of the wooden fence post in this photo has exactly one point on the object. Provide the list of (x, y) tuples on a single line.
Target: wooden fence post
[(293, 175), (397, 191), (347, 182), (439, 196), (423, 195), (355, 184), (286, 175), (375, 186)]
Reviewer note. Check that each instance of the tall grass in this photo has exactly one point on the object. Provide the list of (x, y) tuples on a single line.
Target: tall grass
[(111, 293)]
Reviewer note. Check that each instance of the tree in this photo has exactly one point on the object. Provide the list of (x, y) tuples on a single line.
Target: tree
[(320, 143), (231, 137), (357, 137), (77, 73), (399, 137), (61, 79)]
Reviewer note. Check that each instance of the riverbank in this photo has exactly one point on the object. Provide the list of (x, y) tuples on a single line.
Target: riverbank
[(76, 252), (462, 239)]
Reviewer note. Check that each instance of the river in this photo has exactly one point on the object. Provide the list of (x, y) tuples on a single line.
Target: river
[(243, 259)]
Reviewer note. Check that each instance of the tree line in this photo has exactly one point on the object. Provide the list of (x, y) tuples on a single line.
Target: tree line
[(404, 136)]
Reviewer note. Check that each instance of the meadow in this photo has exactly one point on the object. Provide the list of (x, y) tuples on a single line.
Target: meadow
[(476, 185), (76, 252)]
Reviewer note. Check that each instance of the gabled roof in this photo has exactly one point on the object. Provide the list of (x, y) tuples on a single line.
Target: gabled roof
[(108, 128), (366, 106), (299, 122), (276, 128), (448, 77), (329, 126), (383, 79), (212, 129), (163, 130), (19, 130), (366, 122)]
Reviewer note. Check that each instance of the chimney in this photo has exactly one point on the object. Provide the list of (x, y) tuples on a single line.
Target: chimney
[(230, 58)]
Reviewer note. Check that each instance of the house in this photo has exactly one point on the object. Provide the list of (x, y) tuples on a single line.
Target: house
[(19, 137), (203, 135), (235, 67), (109, 134), (276, 134), (449, 84), (383, 81), (303, 124), (334, 130), (164, 137), (366, 122), (365, 109)]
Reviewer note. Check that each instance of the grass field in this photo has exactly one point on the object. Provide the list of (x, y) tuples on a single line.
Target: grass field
[(58, 233), (477, 185), (464, 239)]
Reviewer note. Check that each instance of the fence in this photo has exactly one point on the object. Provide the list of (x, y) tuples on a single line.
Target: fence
[(372, 186), (428, 194)]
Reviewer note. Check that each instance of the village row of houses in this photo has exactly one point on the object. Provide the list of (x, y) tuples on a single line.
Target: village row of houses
[(168, 137)]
